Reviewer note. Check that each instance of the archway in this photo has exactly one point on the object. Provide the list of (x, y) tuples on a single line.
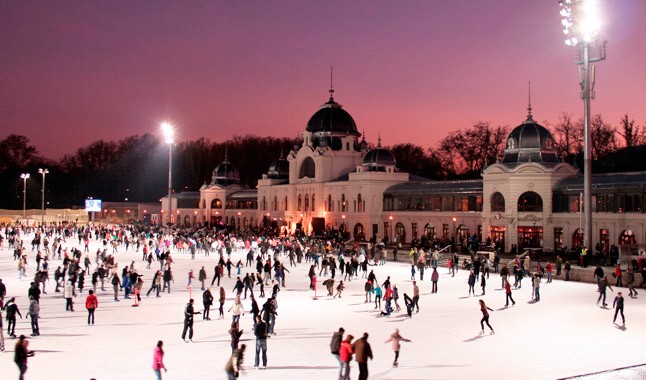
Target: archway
[(400, 233)]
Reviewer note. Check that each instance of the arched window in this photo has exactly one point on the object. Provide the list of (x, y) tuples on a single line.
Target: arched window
[(330, 205), (343, 203), (429, 230), (216, 203), (300, 203), (187, 220), (308, 168), (264, 203), (307, 202), (285, 203), (359, 233), (313, 208), (627, 237), (577, 238), (359, 203), (530, 201), (497, 202)]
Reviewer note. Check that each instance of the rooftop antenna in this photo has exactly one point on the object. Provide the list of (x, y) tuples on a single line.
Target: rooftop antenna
[(331, 82), (529, 102)]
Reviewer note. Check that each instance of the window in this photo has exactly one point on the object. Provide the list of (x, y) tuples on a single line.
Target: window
[(330, 204), (429, 230), (308, 168), (497, 202), (275, 203), (285, 203), (359, 203), (400, 233), (445, 230), (558, 237), (313, 208), (264, 204), (343, 203), (300, 203), (530, 202), (307, 202), (627, 237), (216, 203), (414, 230), (574, 203)]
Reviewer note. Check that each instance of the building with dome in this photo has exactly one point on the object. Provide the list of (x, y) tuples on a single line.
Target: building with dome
[(332, 180)]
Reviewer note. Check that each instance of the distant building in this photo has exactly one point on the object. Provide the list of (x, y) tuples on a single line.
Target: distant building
[(333, 182)]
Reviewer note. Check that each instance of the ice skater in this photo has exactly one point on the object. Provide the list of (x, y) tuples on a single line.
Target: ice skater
[(472, 282), (618, 304), (485, 317), (396, 338), (603, 284), (189, 312)]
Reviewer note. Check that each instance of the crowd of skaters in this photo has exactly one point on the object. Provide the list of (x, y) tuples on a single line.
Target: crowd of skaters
[(266, 255)]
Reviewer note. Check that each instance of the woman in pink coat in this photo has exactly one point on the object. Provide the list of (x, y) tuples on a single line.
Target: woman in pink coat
[(158, 360), (395, 338)]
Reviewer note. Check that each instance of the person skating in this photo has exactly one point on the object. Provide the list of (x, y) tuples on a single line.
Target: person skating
[(345, 355), (508, 295), (68, 293), (12, 309), (485, 317), (21, 354), (630, 281), (158, 360), (235, 333), (603, 284), (234, 365), (618, 304), (335, 346), (416, 296), (536, 285), (396, 297), (189, 312), (472, 282), (34, 312), (202, 278), (207, 301), (339, 289), (408, 302), (329, 285), (435, 277), (236, 309), (222, 299), (396, 339), (378, 294), (260, 332), (91, 303), (362, 352), (483, 284)]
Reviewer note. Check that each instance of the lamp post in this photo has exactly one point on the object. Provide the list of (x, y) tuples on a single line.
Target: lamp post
[(581, 24), (24, 177), (167, 130), (42, 206)]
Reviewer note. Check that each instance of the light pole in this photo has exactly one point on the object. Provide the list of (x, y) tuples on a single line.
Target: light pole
[(42, 205), (24, 177), (581, 23), (167, 130)]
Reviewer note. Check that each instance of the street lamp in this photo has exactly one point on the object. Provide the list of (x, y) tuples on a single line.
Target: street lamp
[(42, 206), (581, 23), (168, 131), (24, 177)]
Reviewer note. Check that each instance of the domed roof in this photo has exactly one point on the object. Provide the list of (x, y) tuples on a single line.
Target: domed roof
[(225, 174), (279, 169), (378, 158), (530, 142), (332, 118)]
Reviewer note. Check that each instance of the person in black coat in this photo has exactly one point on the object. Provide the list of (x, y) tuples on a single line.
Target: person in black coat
[(207, 301), (12, 309)]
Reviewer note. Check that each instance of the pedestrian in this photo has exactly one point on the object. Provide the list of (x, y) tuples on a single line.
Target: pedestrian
[(548, 269), (116, 283), (261, 342), (234, 365), (158, 360), (345, 355), (630, 281), (363, 352), (91, 303), (12, 309), (508, 295), (34, 311), (603, 284), (191, 276), (435, 276), (396, 297), (378, 294), (235, 333), (483, 284), (21, 354), (412, 272), (68, 293), (238, 309), (618, 304), (221, 300), (566, 269), (416, 296), (207, 301), (368, 289), (485, 317), (202, 277), (472, 282), (396, 338), (618, 275), (189, 312), (335, 346), (536, 285)]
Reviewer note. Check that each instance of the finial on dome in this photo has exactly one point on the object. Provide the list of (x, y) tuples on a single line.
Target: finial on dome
[(379, 140), (226, 153), (529, 103), (331, 83)]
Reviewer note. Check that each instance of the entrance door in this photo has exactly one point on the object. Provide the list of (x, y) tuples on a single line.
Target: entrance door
[(530, 237)]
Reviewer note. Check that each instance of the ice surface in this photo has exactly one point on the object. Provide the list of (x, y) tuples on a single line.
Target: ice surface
[(565, 334)]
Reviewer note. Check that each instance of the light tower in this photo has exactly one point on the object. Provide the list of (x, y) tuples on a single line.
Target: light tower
[(581, 24), (168, 131), (42, 206), (24, 177)]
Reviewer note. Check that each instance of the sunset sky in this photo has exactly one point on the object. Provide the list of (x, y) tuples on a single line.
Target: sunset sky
[(73, 72)]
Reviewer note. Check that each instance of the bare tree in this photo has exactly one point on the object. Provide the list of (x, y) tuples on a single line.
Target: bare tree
[(568, 136), (632, 134), (469, 150), (603, 137)]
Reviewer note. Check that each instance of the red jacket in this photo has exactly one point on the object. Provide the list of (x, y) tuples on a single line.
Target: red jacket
[(91, 302), (345, 352)]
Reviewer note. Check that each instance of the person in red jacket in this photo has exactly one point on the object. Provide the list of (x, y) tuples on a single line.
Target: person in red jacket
[(345, 355), (91, 303)]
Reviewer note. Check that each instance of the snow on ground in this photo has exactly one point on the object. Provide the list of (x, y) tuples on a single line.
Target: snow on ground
[(565, 334)]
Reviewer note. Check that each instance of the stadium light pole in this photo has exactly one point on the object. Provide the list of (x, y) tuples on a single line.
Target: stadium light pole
[(168, 131), (581, 25), (42, 205), (24, 177)]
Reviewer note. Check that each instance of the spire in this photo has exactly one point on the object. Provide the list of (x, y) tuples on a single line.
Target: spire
[(530, 119), (226, 153), (331, 83), (379, 140)]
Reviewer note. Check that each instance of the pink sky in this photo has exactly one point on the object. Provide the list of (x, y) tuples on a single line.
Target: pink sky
[(73, 72)]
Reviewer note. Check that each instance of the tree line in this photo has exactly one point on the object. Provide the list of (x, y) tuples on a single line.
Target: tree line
[(136, 168)]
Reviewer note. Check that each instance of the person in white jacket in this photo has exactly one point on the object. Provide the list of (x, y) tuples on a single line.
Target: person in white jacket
[(237, 309), (68, 293)]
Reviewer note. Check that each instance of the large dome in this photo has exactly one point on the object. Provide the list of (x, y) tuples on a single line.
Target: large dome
[(377, 158), (225, 174), (530, 142), (332, 118)]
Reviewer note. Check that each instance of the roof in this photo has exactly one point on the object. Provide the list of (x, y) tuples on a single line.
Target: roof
[(631, 181), (244, 194), (436, 187), (332, 118)]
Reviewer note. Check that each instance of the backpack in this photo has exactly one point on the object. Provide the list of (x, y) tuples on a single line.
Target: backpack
[(115, 280)]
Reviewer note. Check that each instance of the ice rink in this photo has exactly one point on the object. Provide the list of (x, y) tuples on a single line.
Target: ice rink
[(566, 334)]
